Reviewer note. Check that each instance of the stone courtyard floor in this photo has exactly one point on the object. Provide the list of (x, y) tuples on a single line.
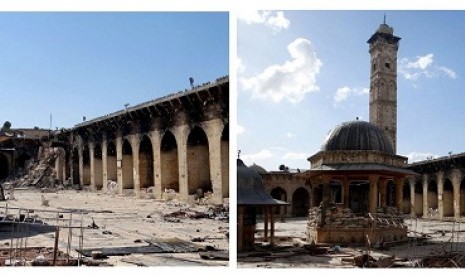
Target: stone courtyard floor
[(441, 237), (113, 221)]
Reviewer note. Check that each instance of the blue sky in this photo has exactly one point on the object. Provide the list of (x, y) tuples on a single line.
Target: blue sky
[(72, 64), (300, 73)]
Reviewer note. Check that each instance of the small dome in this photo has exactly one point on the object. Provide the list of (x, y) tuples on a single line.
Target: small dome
[(357, 135), (257, 168)]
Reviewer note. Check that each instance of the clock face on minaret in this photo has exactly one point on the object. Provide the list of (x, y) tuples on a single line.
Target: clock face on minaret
[(383, 80)]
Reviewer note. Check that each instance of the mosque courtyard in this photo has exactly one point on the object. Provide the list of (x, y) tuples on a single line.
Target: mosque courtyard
[(431, 243)]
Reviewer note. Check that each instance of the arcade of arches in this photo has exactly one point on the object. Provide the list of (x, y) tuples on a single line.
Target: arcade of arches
[(179, 142)]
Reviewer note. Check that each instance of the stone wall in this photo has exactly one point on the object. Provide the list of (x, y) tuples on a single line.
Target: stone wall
[(335, 224)]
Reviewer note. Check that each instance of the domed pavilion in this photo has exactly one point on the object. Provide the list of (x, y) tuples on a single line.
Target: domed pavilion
[(351, 172)]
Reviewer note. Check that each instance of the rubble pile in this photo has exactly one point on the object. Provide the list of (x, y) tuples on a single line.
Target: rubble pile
[(336, 216), (389, 216), (169, 195), (38, 173)]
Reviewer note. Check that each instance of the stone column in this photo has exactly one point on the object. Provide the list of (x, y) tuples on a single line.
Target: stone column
[(346, 188), (440, 183), (155, 137), (425, 195), (271, 225), (383, 192), (81, 166), (399, 182), (282, 209), (181, 133), (214, 129), (104, 164), (265, 221), (134, 140), (456, 179), (119, 162), (373, 200), (240, 227), (71, 165), (411, 182), (92, 166)]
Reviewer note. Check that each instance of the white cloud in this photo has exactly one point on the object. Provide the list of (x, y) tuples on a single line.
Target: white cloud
[(422, 62), (261, 155), (295, 156), (240, 65), (451, 74), (418, 156), (240, 129), (291, 80), (290, 135), (423, 66), (274, 20), (344, 92)]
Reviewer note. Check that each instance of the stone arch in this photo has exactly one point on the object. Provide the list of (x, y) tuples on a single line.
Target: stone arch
[(300, 202), (198, 161), (146, 162), (112, 172), (448, 198), (169, 162), (75, 165), (225, 160), (127, 165), (98, 169), (418, 209), (4, 166), (432, 194), (85, 165)]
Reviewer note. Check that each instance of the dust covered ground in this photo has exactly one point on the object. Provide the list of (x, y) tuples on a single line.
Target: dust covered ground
[(428, 237), (115, 221)]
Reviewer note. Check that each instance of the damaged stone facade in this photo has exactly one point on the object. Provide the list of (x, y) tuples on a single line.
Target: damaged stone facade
[(19, 149), (174, 146)]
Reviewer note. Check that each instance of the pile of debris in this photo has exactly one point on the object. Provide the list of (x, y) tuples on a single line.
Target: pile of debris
[(336, 216), (39, 174), (388, 216), (445, 260)]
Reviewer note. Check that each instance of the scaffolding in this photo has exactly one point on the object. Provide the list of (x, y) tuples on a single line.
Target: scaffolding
[(18, 224)]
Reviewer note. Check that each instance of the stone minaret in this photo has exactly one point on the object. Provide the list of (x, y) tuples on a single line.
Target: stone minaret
[(383, 80)]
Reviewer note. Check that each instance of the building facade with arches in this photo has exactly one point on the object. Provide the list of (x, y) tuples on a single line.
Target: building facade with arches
[(179, 142)]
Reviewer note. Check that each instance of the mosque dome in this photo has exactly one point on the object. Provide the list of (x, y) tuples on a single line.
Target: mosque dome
[(357, 135), (257, 168)]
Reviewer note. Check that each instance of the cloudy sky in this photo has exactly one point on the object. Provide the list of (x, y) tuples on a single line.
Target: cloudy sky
[(300, 73), (73, 64)]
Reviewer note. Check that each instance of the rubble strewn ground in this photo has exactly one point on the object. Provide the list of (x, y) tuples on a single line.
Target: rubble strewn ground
[(112, 221), (431, 243)]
